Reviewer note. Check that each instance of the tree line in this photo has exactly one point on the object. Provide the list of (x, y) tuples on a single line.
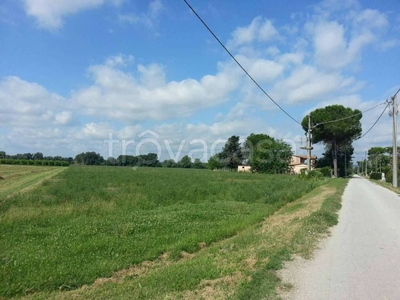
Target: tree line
[(34, 159), (261, 152)]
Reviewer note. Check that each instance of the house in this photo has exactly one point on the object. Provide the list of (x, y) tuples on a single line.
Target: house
[(299, 162), (244, 169)]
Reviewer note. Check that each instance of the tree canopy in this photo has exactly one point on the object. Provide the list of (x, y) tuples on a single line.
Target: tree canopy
[(335, 126), (231, 155), (263, 153), (266, 154)]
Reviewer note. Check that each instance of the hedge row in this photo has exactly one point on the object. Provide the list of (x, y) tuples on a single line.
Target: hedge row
[(60, 163)]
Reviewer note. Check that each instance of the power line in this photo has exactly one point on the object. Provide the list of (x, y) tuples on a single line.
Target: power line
[(237, 62), (349, 117), (396, 93), (375, 122)]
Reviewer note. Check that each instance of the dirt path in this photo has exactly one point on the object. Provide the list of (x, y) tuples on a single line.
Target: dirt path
[(361, 259)]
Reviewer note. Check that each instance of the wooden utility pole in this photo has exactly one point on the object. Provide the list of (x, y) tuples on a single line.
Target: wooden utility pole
[(308, 147), (394, 115)]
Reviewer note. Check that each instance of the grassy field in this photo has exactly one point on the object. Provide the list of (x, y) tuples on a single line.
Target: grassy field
[(157, 233), (15, 178)]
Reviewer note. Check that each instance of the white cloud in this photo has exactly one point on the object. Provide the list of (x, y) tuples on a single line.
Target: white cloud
[(30, 104), (49, 14), (259, 30), (339, 44), (147, 96), (148, 19)]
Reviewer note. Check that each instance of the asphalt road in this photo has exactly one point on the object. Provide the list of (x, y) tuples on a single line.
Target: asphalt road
[(361, 259)]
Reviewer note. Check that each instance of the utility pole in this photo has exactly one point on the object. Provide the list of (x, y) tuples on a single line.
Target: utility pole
[(366, 164), (308, 147), (394, 113), (345, 162), (309, 143)]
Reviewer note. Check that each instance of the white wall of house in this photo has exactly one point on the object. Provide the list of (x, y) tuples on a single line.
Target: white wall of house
[(244, 169)]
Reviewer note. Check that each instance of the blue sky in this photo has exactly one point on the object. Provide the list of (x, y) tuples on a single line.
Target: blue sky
[(148, 74)]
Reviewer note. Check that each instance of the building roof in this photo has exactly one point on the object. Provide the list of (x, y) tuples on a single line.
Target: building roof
[(305, 156)]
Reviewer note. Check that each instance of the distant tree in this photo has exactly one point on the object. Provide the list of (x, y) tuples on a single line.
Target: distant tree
[(344, 159), (231, 155), (214, 162), (197, 164), (3, 154), (38, 156), (148, 160), (28, 155), (89, 158), (111, 161), (185, 162), (336, 134), (380, 158), (169, 163), (266, 154)]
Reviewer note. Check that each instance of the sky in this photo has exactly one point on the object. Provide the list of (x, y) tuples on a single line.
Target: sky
[(132, 77)]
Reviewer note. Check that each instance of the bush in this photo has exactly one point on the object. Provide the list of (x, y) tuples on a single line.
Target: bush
[(312, 175), (375, 176), (389, 177), (326, 171)]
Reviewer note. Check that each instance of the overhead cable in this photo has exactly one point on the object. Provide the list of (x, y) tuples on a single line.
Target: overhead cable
[(349, 117), (238, 63), (375, 122)]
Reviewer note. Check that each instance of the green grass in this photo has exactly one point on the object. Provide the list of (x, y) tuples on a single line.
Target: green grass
[(14, 179), (89, 222)]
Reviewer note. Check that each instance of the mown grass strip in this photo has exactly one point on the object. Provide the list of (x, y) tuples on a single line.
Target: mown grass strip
[(18, 179)]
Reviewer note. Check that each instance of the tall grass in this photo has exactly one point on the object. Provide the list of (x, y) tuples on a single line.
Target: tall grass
[(91, 221)]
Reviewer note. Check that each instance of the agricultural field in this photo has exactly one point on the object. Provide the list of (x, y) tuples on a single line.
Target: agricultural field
[(17, 178), (154, 233)]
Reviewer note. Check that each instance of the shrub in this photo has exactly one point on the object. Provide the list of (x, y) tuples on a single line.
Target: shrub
[(389, 177), (375, 176), (311, 175), (326, 171)]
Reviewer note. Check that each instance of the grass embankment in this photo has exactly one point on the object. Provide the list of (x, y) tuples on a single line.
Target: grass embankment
[(387, 185), (145, 233)]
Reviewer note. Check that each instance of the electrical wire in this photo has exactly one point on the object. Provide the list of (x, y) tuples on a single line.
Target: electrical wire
[(396, 94), (238, 63), (375, 122), (349, 117)]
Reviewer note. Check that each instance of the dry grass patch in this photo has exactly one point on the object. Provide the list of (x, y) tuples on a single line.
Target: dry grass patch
[(220, 288)]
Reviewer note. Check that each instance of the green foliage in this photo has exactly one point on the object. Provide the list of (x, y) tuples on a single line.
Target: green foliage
[(231, 155), (311, 175), (341, 131), (143, 160), (326, 171), (89, 158), (266, 154), (33, 162), (197, 164), (90, 221), (337, 135), (389, 177), (214, 163), (185, 162), (375, 176)]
